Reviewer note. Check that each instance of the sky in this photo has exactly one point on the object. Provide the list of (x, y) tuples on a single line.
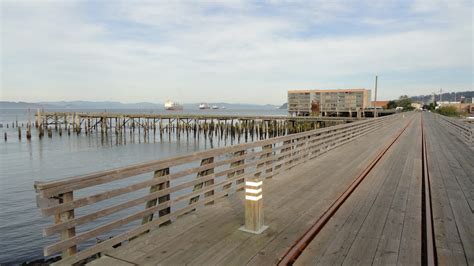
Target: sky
[(231, 51)]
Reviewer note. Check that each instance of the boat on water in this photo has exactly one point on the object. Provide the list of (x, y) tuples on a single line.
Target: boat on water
[(214, 107), (222, 107), (203, 106), (170, 105)]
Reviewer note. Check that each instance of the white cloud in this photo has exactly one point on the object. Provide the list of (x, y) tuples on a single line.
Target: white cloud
[(223, 52)]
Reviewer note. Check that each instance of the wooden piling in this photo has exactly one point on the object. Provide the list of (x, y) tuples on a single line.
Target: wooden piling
[(28, 133)]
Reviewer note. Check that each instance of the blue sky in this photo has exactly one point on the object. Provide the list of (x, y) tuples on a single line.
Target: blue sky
[(231, 51)]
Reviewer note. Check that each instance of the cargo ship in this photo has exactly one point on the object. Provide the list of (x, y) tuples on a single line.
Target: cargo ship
[(173, 106), (204, 106)]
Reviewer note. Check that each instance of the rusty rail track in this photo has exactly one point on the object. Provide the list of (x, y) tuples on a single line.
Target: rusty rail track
[(295, 251), (428, 245)]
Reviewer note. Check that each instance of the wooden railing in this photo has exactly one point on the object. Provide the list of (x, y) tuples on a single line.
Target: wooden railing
[(460, 128), (107, 204)]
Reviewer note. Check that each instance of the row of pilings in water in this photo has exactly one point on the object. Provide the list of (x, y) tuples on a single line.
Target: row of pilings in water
[(236, 130)]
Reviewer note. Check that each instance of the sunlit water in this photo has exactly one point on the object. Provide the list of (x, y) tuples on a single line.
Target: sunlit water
[(23, 162)]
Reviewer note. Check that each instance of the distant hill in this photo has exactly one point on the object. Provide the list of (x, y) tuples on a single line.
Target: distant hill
[(101, 105), (448, 96), (119, 105), (284, 106), (22, 105)]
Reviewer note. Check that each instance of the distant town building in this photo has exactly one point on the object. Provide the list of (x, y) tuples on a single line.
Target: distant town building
[(328, 102), (444, 103), (380, 104), (461, 107), (417, 106)]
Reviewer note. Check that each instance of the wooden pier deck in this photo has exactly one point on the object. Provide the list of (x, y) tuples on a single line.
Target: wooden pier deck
[(380, 223), (292, 201)]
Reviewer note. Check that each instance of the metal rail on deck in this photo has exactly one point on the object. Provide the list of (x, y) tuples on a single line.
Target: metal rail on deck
[(174, 187)]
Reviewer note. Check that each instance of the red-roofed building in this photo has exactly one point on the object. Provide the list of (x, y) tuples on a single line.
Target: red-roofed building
[(382, 104)]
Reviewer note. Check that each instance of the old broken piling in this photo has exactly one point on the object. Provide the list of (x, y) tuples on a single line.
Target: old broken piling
[(153, 127)]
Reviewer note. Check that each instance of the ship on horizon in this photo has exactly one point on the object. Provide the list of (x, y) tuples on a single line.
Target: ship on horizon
[(204, 106), (173, 106)]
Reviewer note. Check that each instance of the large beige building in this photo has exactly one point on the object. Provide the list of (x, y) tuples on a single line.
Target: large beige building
[(328, 102)]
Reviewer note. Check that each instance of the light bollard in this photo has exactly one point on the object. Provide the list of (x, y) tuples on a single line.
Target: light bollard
[(253, 208)]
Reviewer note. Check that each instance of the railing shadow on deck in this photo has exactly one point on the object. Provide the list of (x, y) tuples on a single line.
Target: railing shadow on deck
[(107, 204)]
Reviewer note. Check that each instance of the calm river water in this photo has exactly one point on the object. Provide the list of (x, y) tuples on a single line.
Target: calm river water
[(23, 162)]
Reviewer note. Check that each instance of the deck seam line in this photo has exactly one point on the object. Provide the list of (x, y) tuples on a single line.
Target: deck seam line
[(110, 256)]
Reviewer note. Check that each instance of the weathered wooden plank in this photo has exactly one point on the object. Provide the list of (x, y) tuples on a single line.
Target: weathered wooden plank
[(410, 245), (109, 261), (391, 239)]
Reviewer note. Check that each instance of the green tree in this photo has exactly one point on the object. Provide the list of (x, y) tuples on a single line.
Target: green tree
[(405, 102), (392, 105), (448, 110)]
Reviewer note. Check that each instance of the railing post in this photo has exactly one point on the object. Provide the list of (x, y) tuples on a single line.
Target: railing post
[(282, 158), (253, 207), (268, 153), (64, 217), (238, 172), (206, 183), (158, 174)]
